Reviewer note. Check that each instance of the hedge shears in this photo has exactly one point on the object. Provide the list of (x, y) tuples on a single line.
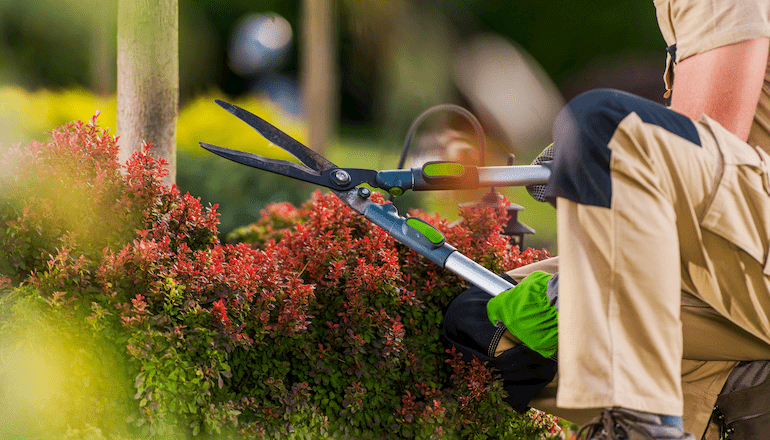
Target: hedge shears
[(413, 232)]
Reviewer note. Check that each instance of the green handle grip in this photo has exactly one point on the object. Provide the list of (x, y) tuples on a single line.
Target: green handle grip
[(443, 170), (426, 229), (445, 175)]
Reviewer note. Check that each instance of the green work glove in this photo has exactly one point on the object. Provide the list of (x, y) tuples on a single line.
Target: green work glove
[(528, 314)]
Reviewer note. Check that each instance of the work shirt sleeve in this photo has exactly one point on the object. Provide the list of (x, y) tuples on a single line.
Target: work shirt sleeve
[(696, 26)]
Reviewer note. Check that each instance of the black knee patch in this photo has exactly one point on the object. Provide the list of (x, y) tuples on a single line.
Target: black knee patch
[(582, 132)]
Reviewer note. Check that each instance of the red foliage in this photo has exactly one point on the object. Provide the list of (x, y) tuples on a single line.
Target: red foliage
[(324, 321)]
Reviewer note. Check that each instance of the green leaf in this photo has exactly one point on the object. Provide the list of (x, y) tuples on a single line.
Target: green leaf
[(139, 381)]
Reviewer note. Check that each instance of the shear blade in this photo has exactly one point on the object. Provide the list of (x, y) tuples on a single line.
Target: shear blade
[(282, 167), (305, 155)]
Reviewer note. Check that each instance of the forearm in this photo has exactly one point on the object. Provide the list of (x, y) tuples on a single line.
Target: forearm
[(723, 83)]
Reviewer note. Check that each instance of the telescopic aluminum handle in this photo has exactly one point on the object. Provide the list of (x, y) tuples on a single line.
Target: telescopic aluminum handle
[(434, 176), (427, 241)]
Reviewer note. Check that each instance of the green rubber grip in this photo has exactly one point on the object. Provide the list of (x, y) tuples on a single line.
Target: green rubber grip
[(426, 229), (443, 169)]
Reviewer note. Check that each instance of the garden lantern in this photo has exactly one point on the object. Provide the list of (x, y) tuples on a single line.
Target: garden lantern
[(513, 228)]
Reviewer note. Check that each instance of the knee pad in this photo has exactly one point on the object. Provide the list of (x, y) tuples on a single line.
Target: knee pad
[(582, 133)]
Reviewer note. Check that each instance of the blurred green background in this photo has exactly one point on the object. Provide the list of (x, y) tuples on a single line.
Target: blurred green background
[(512, 63)]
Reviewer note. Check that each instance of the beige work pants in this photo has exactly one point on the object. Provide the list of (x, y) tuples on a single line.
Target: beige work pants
[(712, 347), (683, 244)]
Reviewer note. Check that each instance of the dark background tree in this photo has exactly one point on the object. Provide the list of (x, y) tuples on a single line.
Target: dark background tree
[(579, 44)]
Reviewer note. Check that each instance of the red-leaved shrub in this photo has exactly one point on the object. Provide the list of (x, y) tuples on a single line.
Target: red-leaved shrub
[(316, 321)]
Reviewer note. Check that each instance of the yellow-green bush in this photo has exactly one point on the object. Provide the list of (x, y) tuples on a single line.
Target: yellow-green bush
[(240, 191), (202, 120), (26, 116)]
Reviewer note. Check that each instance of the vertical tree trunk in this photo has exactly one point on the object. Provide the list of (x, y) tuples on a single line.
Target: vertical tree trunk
[(148, 77), (318, 71)]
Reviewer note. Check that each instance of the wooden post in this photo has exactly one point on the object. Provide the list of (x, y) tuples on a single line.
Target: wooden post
[(148, 77), (318, 71)]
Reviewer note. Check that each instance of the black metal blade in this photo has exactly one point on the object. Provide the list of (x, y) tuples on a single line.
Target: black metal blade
[(277, 137), (282, 167)]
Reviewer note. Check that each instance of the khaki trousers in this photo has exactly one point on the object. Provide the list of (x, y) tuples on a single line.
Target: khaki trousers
[(712, 347), (674, 253)]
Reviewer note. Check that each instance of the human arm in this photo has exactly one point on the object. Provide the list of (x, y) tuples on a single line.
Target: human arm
[(724, 83)]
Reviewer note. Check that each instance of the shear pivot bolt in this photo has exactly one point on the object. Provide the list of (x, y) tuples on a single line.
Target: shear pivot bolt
[(364, 193), (341, 177)]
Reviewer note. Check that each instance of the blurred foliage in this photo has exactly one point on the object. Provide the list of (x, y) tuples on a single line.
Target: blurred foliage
[(67, 384), (202, 120), (26, 116), (240, 191), (390, 51), (55, 43)]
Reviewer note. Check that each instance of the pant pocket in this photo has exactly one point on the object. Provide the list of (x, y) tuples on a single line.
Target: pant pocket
[(740, 209)]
